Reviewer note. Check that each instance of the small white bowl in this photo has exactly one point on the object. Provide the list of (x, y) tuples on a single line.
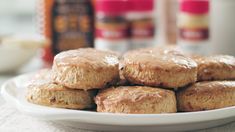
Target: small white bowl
[(15, 51)]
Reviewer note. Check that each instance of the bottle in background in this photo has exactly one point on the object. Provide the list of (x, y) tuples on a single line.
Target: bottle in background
[(193, 26), (111, 25), (142, 23), (72, 25), (67, 24), (44, 23)]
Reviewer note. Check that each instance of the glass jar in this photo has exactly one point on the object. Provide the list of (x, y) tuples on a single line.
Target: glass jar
[(193, 26), (111, 25)]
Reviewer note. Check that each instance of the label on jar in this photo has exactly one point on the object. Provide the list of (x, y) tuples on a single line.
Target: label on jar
[(112, 28), (72, 25), (196, 34), (193, 27), (142, 28)]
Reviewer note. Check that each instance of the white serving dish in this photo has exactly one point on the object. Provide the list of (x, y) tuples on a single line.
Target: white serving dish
[(14, 90), (15, 51)]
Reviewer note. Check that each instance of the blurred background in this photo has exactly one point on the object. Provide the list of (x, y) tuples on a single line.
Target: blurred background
[(17, 16), (33, 31)]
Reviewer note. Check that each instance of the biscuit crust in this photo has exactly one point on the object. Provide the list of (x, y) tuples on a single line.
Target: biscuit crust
[(206, 95), (136, 100), (219, 67), (158, 67), (43, 91), (86, 68)]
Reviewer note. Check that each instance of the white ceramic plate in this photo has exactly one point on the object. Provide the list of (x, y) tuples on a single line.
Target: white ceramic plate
[(13, 92)]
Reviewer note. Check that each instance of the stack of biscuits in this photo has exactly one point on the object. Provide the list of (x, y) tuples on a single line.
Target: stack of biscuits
[(75, 77), (145, 81), (214, 88)]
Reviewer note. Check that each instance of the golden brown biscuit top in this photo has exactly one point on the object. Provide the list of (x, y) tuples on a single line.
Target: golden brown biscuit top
[(133, 93), (42, 79), (87, 57), (159, 58), (210, 86), (217, 59)]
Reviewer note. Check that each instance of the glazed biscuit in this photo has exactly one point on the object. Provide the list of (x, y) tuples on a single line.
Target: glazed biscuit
[(219, 67), (158, 67), (206, 95), (86, 68), (136, 100), (44, 92)]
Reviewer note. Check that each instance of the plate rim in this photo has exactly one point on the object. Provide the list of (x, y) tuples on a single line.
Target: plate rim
[(56, 114)]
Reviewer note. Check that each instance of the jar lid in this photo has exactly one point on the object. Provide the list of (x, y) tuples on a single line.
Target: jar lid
[(194, 6), (141, 5), (111, 6)]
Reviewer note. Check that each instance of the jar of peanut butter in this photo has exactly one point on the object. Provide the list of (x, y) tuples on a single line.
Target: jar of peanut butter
[(142, 23), (193, 26), (111, 25)]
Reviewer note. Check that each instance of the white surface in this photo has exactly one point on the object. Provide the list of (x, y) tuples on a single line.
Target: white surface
[(18, 16), (118, 45), (14, 90), (17, 7), (13, 121), (223, 27)]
